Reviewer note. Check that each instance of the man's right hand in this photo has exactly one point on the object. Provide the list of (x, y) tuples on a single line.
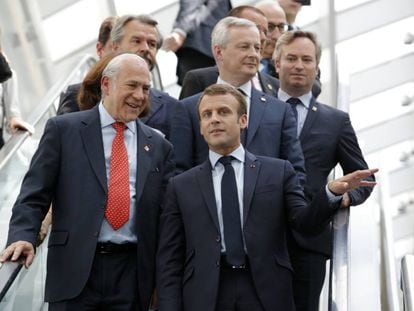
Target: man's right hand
[(19, 249)]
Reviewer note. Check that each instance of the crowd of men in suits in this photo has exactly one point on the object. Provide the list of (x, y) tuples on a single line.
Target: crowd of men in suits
[(217, 201)]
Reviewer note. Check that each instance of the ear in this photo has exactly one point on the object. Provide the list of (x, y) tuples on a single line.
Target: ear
[(99, 49), (243, 121), (277, 65), (105, 85), (218, 53)]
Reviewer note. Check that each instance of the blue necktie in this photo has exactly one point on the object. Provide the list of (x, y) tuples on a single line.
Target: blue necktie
[(231, 215), (293, 101)]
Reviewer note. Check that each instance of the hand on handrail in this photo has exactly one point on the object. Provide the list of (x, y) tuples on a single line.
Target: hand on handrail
[(20, 250)]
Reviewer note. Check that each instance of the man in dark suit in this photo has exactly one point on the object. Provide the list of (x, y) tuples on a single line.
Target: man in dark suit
[(327, 139), (105, 172), (197, 80), (148, 41), (226, 250), (271, 127), (191, 35)]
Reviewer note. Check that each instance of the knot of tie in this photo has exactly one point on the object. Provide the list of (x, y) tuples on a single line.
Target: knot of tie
[(119, 126), (226, 160), (294, 101)]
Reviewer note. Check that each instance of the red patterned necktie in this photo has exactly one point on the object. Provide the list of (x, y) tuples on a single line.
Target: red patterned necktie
[(117, 209)]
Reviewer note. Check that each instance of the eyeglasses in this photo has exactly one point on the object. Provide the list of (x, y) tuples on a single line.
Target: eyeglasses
[(282, 27)]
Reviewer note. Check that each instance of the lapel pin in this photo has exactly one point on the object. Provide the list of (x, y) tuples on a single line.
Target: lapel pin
[(252, 165), (263, 99), (147, 147), (314, 108), (270, 86)]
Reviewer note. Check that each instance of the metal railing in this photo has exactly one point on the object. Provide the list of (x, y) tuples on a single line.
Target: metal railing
[(407, 281)]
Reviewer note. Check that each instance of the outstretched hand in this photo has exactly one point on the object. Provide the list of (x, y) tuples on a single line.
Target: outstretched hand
[(352, 181), (18, 250)]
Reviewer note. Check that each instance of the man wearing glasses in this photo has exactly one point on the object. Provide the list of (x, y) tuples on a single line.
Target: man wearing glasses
[(276, 22)]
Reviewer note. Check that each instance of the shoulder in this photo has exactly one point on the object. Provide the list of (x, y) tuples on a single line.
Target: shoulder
[(153, 134), (332, 112), (154, 93)]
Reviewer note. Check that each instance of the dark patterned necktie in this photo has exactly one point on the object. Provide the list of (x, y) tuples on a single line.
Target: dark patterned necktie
[(231, 215)]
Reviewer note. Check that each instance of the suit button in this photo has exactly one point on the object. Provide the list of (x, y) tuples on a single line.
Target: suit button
[(218, 238), (95, 233), (218, 263)]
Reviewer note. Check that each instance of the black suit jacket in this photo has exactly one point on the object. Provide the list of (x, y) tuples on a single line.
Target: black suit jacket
[(159, 116), (188, 270), (272, 132), (197, 80), (69, 170), (328, 139)]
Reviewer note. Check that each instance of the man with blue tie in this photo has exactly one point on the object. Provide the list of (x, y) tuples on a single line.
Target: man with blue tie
[(105, 173), (271, 129), (224, 223), (327, 139)]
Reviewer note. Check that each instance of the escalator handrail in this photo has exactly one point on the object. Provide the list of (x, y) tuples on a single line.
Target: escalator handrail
[(407, 281), (17, 139), (8, 273)]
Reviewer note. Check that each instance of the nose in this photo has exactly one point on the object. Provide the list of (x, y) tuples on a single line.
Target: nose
[(139, 93), (215, 118)]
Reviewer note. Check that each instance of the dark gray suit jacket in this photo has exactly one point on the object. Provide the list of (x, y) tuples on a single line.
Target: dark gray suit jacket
[(197, 80), (198, 18), (188, 259), (68, 170)]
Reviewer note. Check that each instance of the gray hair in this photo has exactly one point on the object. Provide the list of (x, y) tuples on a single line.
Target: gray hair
[(117, 32), (220, 34)]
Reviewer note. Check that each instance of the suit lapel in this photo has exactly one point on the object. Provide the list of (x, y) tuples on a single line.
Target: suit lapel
[(91, 133), (310, 119), (257, 108), (205, 182), (145, 151), (251, 172), (267, 86), (155, 105)]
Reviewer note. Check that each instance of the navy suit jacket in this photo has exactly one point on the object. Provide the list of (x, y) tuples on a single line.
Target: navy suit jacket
[(196, 80), (188, 270), (68, 170), (328, 139), (271, 132), (159, 116)]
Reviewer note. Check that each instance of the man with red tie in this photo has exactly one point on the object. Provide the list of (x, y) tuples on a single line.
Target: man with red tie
[(105, 172)]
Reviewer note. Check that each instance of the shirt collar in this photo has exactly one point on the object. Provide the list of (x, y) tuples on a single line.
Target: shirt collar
[(305, 98), (238, 153), (247, 87), (107, 119)]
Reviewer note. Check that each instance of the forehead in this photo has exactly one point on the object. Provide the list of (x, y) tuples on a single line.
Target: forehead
[(255, 17), (211, 102), (300, 46), (243, 34), (133, 69), (133, 27), (276, 16)]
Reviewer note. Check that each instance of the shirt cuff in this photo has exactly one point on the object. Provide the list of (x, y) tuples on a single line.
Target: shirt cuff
[(180, 32), (332, 198)]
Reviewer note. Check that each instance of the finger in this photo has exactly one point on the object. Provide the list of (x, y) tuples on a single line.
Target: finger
[(29, 260), (5, 255), (17, 252)]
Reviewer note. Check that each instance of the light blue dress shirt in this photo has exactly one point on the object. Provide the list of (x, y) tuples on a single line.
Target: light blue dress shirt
[(127, 232)]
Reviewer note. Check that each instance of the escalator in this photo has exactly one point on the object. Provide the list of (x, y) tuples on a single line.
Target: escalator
[(20, 288)]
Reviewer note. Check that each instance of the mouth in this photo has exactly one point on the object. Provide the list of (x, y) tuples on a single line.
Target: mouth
[(216, 131), (133, 106)]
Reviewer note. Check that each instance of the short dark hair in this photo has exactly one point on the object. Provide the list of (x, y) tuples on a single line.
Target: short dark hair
[(223, 89), (105, 29)]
